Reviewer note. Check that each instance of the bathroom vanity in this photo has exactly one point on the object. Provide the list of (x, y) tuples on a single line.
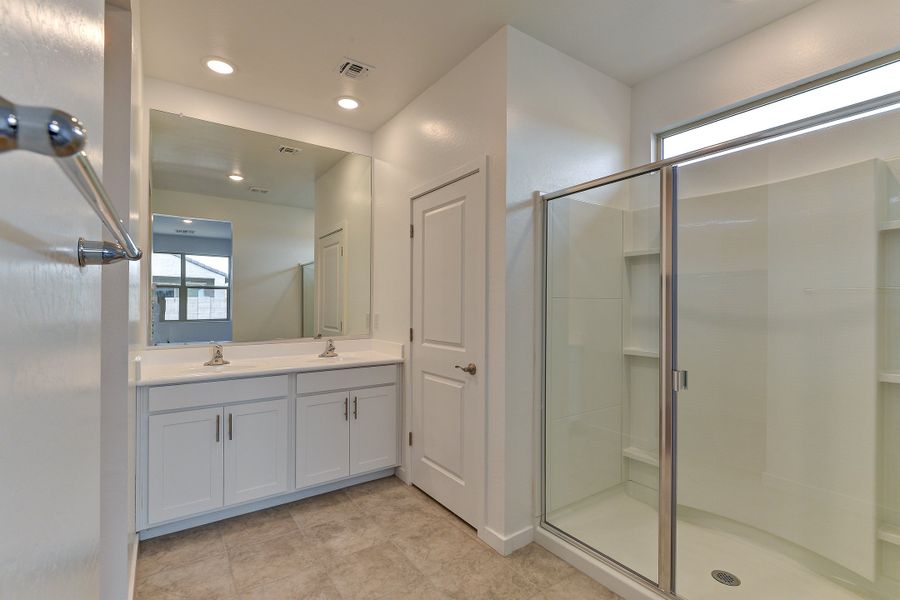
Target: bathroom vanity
[(215, 442)]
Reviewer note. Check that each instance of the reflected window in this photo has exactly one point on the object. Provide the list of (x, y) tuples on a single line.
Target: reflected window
[(203, 281)]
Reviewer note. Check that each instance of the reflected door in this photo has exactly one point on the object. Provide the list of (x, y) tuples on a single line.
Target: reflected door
[(331, 278), (448, 313)]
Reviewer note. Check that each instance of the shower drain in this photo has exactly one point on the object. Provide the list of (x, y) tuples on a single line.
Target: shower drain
[(726, 578)]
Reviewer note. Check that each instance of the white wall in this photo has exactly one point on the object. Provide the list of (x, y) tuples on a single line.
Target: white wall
[(50, 314), (814, 40), (458, 120), (566, 123), (544, 121), (344, 199), (269, 241), (120, 154)]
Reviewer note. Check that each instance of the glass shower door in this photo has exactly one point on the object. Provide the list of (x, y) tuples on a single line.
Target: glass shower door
[(601, 411), (788, 267)]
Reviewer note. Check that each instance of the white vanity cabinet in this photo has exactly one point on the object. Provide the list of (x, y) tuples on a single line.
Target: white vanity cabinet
[(256, 450), (215, 449), (323, 438), (201, 459), (347, 423), (185, 463)]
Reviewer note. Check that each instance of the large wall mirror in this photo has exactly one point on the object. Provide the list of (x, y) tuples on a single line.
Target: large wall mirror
[(255, 237)]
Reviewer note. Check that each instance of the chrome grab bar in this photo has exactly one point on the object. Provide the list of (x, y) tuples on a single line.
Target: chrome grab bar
[(57, 134)]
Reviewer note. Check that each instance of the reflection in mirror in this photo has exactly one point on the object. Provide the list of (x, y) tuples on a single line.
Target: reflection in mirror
[(255, 237)]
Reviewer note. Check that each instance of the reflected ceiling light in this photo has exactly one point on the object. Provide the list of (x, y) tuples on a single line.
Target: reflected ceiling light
[(348, 103), (188, 221), (236, 177), (220, 66)]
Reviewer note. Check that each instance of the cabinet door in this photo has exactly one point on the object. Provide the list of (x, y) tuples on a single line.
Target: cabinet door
[(323, 438), (374, 437), (256, 440), (185, 463)]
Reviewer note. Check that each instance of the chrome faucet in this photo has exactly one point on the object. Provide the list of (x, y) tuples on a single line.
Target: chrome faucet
[(217, 359), (329, 350)]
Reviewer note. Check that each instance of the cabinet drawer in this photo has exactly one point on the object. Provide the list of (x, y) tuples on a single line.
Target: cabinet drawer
[(190, 395), (344, 379)]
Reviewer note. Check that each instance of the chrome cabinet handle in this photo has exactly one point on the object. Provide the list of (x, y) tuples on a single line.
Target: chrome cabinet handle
[(470, 368), (57, 134), (218, 418), (346, 408), (355, 407), (230, 427)]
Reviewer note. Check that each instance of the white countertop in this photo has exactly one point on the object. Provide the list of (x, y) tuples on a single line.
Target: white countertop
[(149, 373)]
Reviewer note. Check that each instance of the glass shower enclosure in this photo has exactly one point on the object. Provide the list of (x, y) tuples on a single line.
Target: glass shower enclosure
[(721, 407)]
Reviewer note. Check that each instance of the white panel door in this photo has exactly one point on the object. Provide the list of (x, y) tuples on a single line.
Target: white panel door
[(185, 463), (448, 313), (323, 438), (256, 440), (374, 433), (331, 283), (50, 314)]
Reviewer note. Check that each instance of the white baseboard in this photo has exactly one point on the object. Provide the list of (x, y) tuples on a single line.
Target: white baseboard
[(506, 544), (604, 574), (132, 566), (403, 475)]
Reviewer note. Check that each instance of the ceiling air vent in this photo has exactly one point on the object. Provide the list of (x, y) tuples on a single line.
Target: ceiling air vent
[(258, 190), (354, 69), (289, 150)]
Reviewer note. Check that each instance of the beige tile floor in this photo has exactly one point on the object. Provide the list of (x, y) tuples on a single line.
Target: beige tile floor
[(378, 540)]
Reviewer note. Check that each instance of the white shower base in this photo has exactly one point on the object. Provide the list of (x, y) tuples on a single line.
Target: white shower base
[(625, 529)]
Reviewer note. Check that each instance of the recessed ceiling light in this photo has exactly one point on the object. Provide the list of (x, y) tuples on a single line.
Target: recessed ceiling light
[(222, 67), (236, 177), (348, 103), (188, 221)]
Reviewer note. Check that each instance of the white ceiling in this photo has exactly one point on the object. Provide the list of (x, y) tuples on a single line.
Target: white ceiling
[(286, 51), (190, 155)]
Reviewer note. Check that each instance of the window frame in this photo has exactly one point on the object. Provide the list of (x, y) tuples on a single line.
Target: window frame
[(183, 288), (770, 98)]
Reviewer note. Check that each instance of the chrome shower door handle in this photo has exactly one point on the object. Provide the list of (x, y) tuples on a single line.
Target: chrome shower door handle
[(469, 368)]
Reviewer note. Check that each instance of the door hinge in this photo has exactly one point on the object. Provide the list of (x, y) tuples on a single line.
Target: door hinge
[(410, 334), (410, 438), (679, 381), (410, 230)]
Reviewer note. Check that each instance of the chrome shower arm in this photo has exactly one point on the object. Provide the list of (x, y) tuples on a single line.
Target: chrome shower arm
[(57, 134)]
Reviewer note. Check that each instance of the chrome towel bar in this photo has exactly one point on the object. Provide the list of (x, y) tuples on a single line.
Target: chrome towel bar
[(57, 134)]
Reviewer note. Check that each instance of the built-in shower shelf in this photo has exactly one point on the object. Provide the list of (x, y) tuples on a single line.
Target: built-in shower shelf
[(889, 377), (641, 252), (889, 534), (889, 225), (645, 352), (640, 455)]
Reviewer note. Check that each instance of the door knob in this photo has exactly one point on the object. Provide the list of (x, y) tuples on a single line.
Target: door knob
[(470, 368)]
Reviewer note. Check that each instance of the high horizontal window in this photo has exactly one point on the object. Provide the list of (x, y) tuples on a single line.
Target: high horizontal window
[(868, 82)]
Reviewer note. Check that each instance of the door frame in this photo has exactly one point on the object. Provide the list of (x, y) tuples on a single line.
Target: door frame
[(473, 168)]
